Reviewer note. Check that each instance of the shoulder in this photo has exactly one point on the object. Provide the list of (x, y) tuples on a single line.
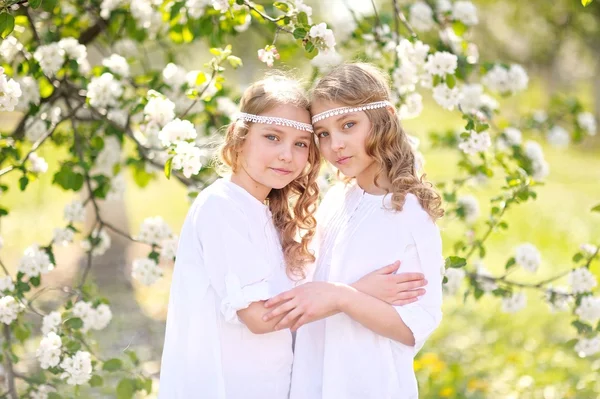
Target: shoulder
[(412, 210), (217, 202), (334, 196)]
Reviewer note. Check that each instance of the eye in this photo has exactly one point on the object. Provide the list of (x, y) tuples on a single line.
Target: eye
[(322, 135), (348, 125), (302, 144), (271, 137)]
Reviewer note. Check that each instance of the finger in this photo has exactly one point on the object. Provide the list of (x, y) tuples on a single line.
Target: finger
[(284, 296), (402, 277), (389, 269), (410, 285), (279, 310), (401, 302), (410, 294), (299, 323), (287, 321)]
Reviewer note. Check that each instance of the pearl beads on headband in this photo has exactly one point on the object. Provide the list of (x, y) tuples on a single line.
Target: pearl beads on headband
[(272, 120), (347, 110)]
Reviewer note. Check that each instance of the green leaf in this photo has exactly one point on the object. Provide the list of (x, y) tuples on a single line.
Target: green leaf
[(450, 81), (581, 327), (300, 33), (125, 389), (35, 281), (54, 395), (459, 28), (511, 262), (3, 212), (577, 257), (21, 332), (234, 61), (310, 47), (7, 24), (455, 262), (35, 3), (596, 208), (73, 346), (282, 6), (112, 365), (23, 182), (68, 179), (168, 166), (303, 18), (133, 357), (200, 79), (586, 2), (74, 323), (96, 381)]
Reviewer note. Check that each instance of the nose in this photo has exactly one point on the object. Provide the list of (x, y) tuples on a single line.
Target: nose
[(337, 142), (286, 154)]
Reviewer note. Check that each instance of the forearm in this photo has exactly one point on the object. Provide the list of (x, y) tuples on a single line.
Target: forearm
[(252, 317), (376, 315)]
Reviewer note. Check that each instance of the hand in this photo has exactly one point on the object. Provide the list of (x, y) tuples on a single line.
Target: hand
[(395, 289), (304, 304)]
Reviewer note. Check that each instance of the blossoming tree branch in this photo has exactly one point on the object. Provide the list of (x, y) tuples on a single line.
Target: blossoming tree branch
[(170, 115)]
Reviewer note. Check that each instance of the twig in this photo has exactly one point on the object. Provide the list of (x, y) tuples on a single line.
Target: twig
[(8, 365)]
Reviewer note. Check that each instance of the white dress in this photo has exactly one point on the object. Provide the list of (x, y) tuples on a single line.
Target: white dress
[(229, 256), (337, 357)]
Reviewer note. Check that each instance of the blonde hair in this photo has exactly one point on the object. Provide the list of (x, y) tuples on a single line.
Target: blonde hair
[(360, 83), (294, 220)]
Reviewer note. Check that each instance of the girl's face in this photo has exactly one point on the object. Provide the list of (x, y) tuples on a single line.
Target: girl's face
[(342, 139), (272, 156)]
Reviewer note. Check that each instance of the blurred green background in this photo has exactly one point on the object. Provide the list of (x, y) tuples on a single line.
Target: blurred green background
[(479, 351)]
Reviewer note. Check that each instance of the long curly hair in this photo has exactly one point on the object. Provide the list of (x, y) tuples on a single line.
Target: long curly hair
[(293, 207), (355, 84)]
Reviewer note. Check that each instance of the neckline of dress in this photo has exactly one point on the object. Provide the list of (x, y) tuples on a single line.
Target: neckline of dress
[(252, 199)]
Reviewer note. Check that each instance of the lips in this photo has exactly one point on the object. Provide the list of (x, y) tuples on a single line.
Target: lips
[(342, 160), (281, 171)]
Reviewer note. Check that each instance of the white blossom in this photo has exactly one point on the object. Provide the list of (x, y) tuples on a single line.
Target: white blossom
[(514, 303), (168, 249), (588, 347), (188, 158), (117, 64), (226, 107), (117, 187), (472, 98), (103, 244), (220, 5), (533, 151), (108, 157), (62, 236), (475, 143), (35, 130), (500, 79), (413, 53), (118, 116), (465, 12), (441, 63), (486, 284), (30, 93), (74, 212), (470, 207), (268, 55), (49, 351), (125, 47), (50, 57), (540, 116), (324, 38), (443, 6), (104, 91), (197, 8), (42, 391), (154, 230), (9, 48), (174, 75), (159, 109), (405, 78), (455, 278), (558, 137), (421, 16), (510, 137), (585, 120), (146, 271), (589, 309), (73, 49), (10, 92), (78, 368), (108, 6), (558, 298), (582, 280), (589, 249), (9, 309), (177, 130), (35, 261), (51, 322), (326, 60), (528, 257), (93, 318), (412, 106), (446, 97), (6, 284), (38, 164)]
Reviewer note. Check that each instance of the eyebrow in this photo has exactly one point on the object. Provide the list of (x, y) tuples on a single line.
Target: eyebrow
[(305, 135), (338, 119)]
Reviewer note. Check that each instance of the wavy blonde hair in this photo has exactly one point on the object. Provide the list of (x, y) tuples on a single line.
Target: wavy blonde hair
[(293, 207), (355, 84)]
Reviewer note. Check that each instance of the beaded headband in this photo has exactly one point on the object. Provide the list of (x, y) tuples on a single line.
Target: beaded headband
[(272, 120), (347, 110)]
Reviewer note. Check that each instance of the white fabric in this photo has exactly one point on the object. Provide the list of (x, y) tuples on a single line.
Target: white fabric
[(357, 233), (229, 256)]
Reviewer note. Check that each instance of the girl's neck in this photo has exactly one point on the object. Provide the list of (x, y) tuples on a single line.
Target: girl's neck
[(366, 181), (245, 181)]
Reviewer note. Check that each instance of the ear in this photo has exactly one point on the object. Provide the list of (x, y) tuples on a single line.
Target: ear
[(391, 109)]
